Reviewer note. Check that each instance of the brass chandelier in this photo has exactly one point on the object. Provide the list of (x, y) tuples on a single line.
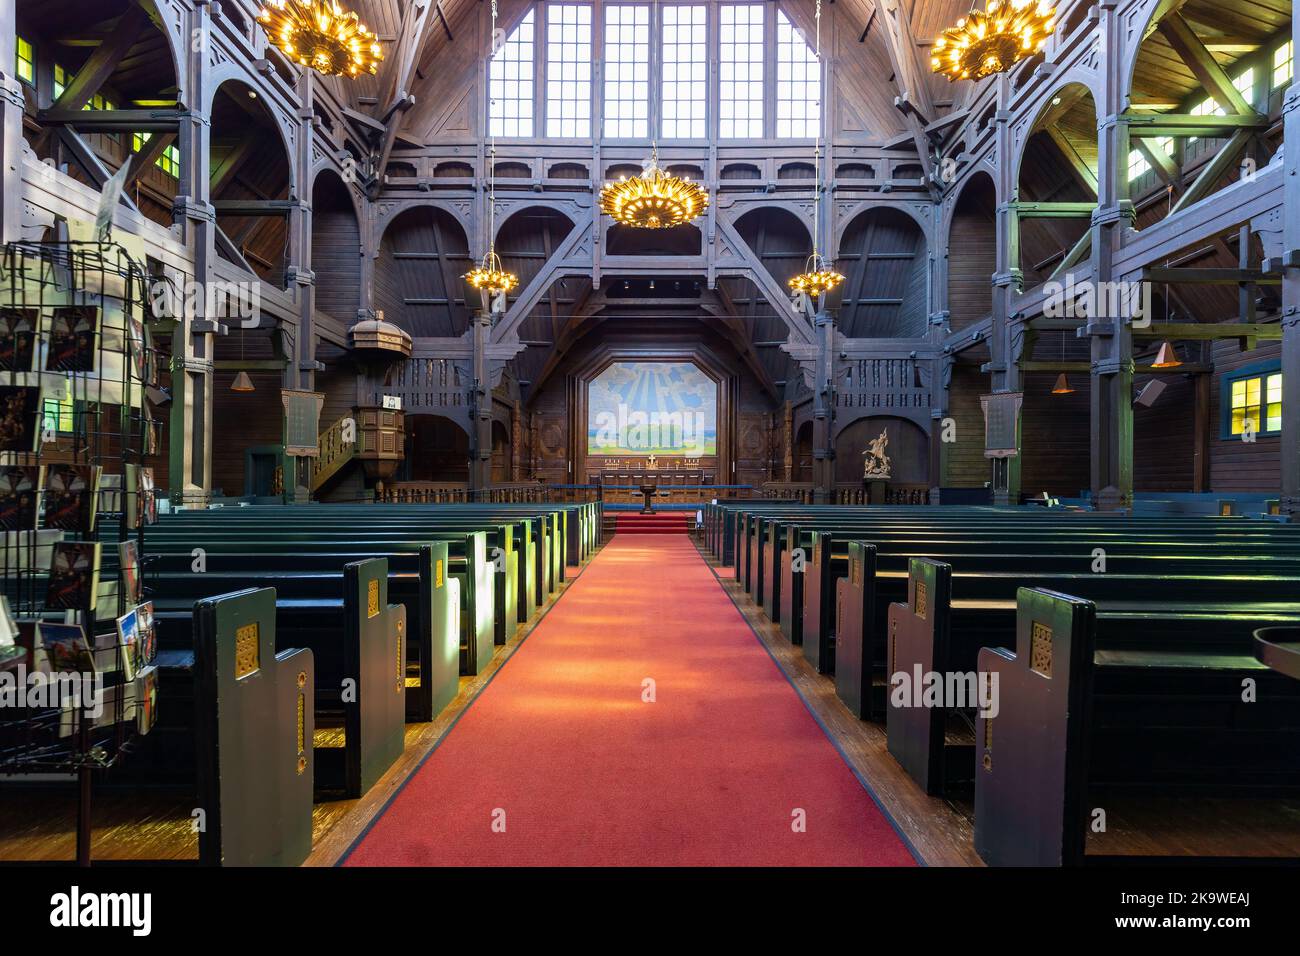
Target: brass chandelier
[(817, 279), (490, 276), (654, 200), (322, 35), (993, 40), (819, 276)]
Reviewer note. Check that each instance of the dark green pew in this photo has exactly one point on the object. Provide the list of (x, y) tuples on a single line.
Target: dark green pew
[(419, 578), (254, 720), (466, 560), (1077, 727), (949, 615), (863, 596), (358, 644)]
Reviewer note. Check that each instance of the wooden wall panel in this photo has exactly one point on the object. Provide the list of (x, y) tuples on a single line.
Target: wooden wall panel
[(335, 250), (242, 421), (972, 255), (967, 467), (1054, 438), (1164, 437)]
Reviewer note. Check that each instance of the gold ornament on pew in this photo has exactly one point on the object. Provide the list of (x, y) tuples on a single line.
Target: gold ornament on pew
[(322, 35), (993, 40), (490, 275), (654, 200), (817, 279)]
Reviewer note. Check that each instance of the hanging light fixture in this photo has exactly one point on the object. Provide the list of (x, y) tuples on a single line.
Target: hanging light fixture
[(242, 382), (322, 35), (1062, 386), (819, 275), (1166, 357), (993, 40), (490, 275), (656, 199)]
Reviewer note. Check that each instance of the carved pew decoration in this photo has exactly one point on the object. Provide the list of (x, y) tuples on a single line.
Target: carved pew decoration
[(919, 639), (855, 614), (255, 721), (375, 659), (1032, 758)]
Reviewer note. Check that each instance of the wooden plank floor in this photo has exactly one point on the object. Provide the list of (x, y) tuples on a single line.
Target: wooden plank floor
[(39, 825)]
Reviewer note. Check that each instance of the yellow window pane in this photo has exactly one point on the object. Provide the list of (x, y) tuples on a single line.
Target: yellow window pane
[(1238, 393), (1275, 388), (1238, 420), (1252, 391), (1274, 416)]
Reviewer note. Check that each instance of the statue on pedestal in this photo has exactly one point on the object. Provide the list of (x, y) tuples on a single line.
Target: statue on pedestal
[(876, 466)]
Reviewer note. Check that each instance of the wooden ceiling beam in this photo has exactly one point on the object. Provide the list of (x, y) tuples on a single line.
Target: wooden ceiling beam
[(913, 99), (1191, 50), (92, 76)]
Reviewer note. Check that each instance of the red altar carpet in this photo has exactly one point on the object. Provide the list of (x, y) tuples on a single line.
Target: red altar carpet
[(563, 761)]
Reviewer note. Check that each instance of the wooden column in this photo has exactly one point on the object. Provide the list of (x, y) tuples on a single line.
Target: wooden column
[(480, 405), (1202, 426), (300, 365), (193, 345), (823, 407), (1111, 398), (11, 131), (1008, 282), (1291, 302)]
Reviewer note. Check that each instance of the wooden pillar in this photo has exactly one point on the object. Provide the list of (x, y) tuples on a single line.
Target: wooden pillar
[(1202, 425), (11, 131), (480, 405), (300, 364), (193, 344), (1290, 439), (823, 409), (1111, 398), (1008, 282)]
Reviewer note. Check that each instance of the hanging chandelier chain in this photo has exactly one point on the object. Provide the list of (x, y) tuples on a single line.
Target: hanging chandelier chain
[(817, 143), (491, 276), (490, 260)]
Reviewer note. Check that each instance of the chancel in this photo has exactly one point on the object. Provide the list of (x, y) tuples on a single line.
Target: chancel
[(530, 433)]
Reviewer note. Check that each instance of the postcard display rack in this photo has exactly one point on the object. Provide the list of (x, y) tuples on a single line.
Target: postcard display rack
[(76, 433)]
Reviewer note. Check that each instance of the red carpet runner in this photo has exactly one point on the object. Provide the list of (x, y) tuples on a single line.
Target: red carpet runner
[(562, 749), (661, 522)]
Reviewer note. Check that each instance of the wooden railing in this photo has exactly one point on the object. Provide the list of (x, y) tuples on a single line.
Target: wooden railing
[(894, 495), (338, 446)]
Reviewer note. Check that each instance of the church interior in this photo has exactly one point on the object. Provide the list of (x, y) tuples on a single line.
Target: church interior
[(649, 433)]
